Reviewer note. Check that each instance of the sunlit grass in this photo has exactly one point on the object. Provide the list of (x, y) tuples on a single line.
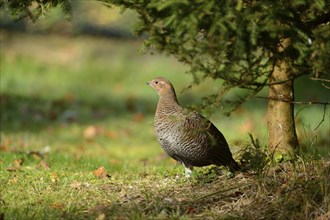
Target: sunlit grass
[(70, 106)]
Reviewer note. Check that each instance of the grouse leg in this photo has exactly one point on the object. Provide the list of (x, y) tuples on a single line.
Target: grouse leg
[(187, 170)]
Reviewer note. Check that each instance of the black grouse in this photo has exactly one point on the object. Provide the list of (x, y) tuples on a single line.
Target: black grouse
[(185, 135)]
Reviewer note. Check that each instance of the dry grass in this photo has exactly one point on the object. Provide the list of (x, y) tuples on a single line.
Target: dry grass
[(283, 192)]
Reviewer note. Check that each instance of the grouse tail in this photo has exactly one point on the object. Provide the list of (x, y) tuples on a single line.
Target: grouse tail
[(233, 166)]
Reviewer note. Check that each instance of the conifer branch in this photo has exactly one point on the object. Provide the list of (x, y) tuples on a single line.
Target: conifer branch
[(324, 110), (322, 81), (294, 102)]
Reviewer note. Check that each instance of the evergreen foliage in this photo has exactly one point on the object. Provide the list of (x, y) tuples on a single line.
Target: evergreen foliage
[(249, 44), (237, 41), (34, 8)]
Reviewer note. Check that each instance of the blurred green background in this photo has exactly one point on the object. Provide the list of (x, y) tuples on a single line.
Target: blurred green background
[(79, 87)]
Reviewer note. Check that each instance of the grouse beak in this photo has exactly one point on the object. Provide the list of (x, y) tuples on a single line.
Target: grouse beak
[(148, 83)]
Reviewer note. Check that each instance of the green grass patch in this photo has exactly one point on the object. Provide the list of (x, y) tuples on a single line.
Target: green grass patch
[(72, 105)]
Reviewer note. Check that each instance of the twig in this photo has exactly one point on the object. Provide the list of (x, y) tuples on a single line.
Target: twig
[(283, 81), (278, 81), (305, 103), (324, 110), (217, 192), (322, 81), (319, 79), (328, 87), (295, 102)]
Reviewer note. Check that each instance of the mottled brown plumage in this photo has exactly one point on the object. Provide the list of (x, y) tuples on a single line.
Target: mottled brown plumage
[(185, 135)]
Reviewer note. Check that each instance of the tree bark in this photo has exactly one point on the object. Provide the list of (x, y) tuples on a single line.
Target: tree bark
[(281, 125)]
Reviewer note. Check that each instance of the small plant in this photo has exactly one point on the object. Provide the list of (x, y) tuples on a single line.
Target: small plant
[(253, 157)]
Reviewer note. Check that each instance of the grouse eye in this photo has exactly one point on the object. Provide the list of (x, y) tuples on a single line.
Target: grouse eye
[(156, 82)]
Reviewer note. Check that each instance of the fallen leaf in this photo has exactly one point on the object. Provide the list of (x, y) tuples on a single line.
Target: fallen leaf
[(18, 162), (76, 185), (13, 180), (138, 117), (54, 177), (58, 205), (43, 165), (114, 162), (36, 155), (92, 131), (11, 169), (101, 173), (4, 148), (5, 145), (190, 211), (111, 134), (16, 165)]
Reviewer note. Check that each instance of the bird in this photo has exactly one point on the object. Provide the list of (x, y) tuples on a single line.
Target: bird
[(186, 135)]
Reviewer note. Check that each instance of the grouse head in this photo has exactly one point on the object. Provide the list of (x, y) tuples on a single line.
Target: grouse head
[(163, 87)]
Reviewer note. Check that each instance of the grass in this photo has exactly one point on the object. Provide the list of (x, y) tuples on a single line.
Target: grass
[(72, 105)]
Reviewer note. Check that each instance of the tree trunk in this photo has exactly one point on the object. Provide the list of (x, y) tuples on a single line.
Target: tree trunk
[(281, 125)]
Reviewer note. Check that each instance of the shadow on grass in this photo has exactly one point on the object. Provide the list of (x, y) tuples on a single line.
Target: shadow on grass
[(33, 113), (290, 193), (246, 197)]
